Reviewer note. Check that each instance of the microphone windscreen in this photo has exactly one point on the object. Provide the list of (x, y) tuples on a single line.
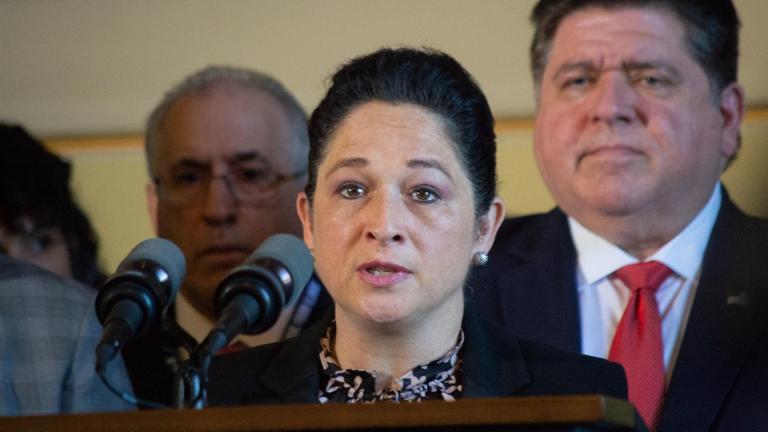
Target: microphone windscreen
[(165, 254), (292, 253)]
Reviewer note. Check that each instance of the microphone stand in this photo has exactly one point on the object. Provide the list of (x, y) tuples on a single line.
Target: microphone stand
[(186, 380), (188, 391), (191, 380), (251, 301)]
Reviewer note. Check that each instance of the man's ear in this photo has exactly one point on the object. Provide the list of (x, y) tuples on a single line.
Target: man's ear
[(304, 209), (489, 224), (732, 112), (152, 204)]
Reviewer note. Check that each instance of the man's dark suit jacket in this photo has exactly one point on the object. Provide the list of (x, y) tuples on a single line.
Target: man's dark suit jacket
[(493, 365), (720, 380)]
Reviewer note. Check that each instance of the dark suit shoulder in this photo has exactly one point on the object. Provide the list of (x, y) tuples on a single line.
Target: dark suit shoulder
[(282, 372), (515, 235), (734, 261), (571, 373), (500, 364), (232, 377), (513, 228), (751, 231), (528, 236)]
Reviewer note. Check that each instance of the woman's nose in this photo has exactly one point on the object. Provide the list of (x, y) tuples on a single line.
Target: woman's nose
[(384, 218)]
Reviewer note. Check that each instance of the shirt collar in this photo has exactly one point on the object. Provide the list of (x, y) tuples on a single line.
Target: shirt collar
[(598, 257), (198, 325), (191, 320)]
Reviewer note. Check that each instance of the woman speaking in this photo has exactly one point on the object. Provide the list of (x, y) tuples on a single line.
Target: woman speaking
[(400, 203)]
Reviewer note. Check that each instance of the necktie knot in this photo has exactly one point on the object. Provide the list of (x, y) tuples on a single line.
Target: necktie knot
[(644, 275)]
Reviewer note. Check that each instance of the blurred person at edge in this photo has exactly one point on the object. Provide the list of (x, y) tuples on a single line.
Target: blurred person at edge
[(48, 325), (401, 201), (40, 221), (638, 115)]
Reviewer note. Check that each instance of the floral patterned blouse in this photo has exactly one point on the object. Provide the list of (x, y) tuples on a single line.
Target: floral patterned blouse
[(437, 380)]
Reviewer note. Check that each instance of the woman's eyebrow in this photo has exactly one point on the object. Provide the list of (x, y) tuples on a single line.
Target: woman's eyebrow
[(428, 163), (354, 162)]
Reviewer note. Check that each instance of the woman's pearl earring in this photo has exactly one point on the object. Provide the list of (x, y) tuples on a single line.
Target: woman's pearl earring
[(480, 258)]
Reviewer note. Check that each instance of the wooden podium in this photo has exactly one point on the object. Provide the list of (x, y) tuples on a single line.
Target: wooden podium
[(555, 413)]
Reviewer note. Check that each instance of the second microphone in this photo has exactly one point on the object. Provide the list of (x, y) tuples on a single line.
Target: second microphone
[(250, 299)]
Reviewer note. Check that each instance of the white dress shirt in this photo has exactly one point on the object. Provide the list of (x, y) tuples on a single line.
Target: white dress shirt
[(603, 297), (198, 325)]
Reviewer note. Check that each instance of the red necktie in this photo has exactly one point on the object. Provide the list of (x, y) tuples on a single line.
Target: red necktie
[(234, 347), (637, 344)]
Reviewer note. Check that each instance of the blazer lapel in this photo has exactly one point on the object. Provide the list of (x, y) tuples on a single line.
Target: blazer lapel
[(536, 281), (492, 367), (719, 333), (294, 375)]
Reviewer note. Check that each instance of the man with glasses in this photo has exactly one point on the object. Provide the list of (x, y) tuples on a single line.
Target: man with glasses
[(227, 154)]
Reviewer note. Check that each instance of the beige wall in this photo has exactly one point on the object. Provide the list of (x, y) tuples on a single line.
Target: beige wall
[(110, 185), (110, 177)]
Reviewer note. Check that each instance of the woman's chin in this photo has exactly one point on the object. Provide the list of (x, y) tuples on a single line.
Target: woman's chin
[(385, 313)]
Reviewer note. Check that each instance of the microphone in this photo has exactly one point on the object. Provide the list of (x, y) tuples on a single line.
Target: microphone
[(132, 300), (250, 299)]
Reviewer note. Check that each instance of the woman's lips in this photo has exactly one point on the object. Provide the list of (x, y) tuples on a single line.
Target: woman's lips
[(378, 273)]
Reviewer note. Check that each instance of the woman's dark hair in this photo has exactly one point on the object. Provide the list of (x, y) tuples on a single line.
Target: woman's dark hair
[(34, 185), (424, 77)]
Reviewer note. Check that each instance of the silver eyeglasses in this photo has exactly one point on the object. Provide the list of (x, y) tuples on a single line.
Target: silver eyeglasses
[(189, 185)]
